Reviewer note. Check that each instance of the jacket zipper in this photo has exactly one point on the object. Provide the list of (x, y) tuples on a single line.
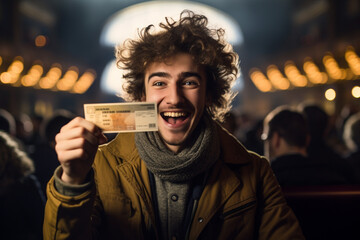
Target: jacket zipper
[(224, 215)]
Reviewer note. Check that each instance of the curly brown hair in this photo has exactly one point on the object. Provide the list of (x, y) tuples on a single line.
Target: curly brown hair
[(191, 35)]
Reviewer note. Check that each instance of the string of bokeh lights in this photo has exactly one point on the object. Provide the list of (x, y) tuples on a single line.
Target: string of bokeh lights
[(310, 75), (53, 78)]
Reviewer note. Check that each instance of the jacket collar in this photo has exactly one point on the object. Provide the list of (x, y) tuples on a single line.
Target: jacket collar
[(233, 152), (222, 182), (123, 146)]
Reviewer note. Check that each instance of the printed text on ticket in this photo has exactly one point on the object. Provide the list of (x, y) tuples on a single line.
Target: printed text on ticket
[(123, 117)]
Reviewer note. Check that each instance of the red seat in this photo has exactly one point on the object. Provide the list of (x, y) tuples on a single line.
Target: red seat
[(326, 212)]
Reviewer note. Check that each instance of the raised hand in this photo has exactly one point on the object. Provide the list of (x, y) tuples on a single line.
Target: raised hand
[(76, 146)]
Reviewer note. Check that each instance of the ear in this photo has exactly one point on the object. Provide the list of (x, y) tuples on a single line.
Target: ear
[(275, 140)]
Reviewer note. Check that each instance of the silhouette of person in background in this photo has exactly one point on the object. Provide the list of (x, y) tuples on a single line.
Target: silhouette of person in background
[(24, 129), (25, 132), (7, 122), (286, 139), (44, 155), (253, 140), (351, 138), (21, 200), (319, 149)]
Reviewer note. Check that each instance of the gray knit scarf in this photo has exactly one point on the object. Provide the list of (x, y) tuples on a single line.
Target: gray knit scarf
[(189, 162)]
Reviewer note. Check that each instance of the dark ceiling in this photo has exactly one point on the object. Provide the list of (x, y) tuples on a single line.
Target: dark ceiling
[(268, 25), (274, 30)]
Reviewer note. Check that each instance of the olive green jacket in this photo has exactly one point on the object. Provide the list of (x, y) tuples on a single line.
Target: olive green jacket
[(241, 199)]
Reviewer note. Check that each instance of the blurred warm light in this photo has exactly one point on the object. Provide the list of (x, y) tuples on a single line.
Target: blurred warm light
[(40, 41), (68, 80), (112, 80), (37, 70), (355, 92), (27, 80), (13, 72), (46, 83), (313, 73), (294, 75), (5, 77), (330, 94), (276, 78), (33, 76), (16, 67), (55, 72), (353, 60), (138, 16), (260, 81), (332, 68), (84, 82), (51, 78), (135, 17)]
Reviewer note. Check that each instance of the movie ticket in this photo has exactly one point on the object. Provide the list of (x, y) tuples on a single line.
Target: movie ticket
[(123, 117)]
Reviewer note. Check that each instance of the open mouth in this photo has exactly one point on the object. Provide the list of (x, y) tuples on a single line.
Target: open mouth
[(174, 117)]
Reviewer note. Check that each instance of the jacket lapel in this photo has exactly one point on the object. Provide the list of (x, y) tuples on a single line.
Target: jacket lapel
[(220, 186), (133, 171), (222, 182)]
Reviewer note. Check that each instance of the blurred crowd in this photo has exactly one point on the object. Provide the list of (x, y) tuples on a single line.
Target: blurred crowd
[(27, 162), (304, 145)]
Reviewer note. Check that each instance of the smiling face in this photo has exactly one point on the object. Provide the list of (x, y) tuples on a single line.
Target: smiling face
[(179, 89)]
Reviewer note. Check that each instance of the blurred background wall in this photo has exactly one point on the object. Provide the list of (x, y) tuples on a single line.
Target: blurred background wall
[(56, 54)]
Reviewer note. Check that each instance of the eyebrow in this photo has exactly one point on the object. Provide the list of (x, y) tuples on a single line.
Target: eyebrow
[(189, 74), (183, 75), (158, 74)]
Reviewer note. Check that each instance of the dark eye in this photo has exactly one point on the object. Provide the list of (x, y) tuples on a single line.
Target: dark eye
[(191, 83), (158, 84)]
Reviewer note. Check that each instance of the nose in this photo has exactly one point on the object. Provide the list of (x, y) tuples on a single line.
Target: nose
[(174, 95)]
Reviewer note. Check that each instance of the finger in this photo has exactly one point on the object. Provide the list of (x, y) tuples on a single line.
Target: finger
[(78, 132), (75, 144), (65, 157), (73, 123), (81, 122)]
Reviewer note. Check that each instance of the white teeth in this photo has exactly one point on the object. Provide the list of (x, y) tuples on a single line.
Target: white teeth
[(174, 114)]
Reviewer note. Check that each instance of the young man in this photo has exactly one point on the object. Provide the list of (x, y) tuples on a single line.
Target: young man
[(189, 180), (286, 137)]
